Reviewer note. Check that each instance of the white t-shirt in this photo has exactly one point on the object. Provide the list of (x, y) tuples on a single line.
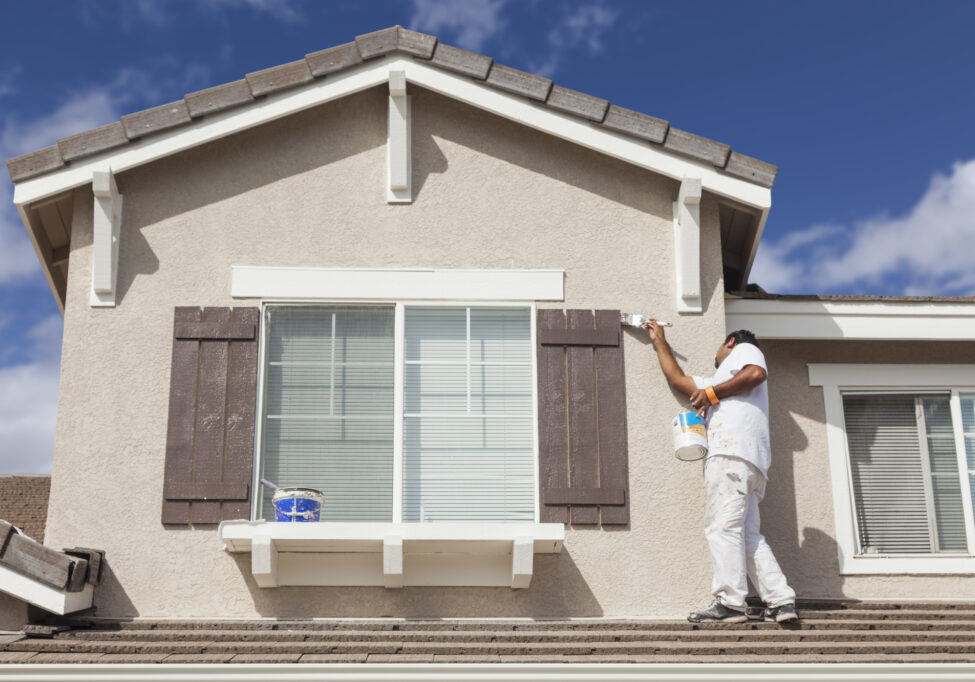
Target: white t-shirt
[(738, 425)]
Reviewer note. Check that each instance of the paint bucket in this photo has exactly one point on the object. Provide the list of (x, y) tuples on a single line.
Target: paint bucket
[(690, 437), (296, 505)]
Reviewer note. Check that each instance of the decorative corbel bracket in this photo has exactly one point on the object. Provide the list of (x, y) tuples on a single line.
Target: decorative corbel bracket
[(687, 246), (398, 142), (106, 223)]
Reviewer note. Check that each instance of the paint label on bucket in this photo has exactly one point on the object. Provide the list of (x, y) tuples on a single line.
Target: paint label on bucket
[(690, 423), (690, 437)]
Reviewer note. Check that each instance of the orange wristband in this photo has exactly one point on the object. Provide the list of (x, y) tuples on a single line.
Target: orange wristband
[(712, 396)]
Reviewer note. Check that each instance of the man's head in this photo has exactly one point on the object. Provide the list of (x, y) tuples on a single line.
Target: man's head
[(732, 340)]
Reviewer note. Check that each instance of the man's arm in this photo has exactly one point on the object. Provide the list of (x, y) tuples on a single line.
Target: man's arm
[(672, 371), (748, 378)]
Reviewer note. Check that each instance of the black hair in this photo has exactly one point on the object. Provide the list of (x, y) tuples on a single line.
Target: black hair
[(742, 336)]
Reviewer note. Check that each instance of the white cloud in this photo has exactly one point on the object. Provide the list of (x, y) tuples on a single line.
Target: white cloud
[(926, 251), (28, 403), (584, 27), (7, 79), (285, 11), (468, 23)]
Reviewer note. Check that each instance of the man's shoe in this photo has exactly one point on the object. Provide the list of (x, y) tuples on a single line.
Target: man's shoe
[(717, 613), (782, 614)]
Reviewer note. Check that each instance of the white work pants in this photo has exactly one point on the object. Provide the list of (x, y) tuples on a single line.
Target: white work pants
[(738, 548)]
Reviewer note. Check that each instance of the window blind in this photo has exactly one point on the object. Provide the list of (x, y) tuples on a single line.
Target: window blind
[(468, 448), (328, 407), (902, 456)]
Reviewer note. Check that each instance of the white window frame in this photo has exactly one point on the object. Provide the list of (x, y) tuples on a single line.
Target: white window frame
[(837, 378), (399, 327)]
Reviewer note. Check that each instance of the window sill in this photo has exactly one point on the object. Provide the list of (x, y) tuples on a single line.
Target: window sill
[(392, 554), (889, 564)]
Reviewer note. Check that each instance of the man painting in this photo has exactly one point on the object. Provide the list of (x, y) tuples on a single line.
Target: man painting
[(734, 403)]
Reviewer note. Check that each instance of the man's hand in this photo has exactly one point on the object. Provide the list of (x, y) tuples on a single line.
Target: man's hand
[(701, 402), (655, 331)]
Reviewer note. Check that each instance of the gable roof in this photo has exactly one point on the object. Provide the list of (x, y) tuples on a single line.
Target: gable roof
[(394, 40), (45, 179)]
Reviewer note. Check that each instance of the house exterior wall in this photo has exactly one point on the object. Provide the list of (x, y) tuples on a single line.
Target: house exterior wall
[(797, 513), (309, 191), (489, 193)]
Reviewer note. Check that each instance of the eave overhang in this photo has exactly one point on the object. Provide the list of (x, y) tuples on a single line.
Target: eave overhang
[(865, 320)]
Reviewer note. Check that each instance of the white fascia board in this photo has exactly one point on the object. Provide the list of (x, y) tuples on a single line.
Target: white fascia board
[(212, 127), (865, 376), (384, 284), (490, 672), (46, 597), (829, 320)]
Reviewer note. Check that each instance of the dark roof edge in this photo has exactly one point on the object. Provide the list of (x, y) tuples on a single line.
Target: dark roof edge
[(827, 298), (394, 40)]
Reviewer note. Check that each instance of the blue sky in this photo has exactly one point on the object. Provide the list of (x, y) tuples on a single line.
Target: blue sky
[(868, 108)]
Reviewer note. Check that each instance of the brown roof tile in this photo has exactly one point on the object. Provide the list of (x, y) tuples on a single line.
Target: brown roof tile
[(92, 141), (395, 39), (577, 103), (35, 163), (23, 503), (829, 632), (218, 98), (750, 169), (279, 78), (636, 124), (461, 61), (519, 82), (156, 119), (333, 59), (698, 147)]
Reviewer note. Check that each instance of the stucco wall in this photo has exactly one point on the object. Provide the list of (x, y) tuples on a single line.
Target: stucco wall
[(309, 191), (797, 514)]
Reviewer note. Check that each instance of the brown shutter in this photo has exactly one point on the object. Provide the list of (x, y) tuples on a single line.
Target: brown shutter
[(212, 394), (582, 418)]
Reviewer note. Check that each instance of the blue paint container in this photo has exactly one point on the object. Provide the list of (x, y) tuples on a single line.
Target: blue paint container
[(297, 505)]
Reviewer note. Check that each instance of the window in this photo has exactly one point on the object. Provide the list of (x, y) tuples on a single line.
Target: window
[(405, 412), (904, 471), (902, 459)]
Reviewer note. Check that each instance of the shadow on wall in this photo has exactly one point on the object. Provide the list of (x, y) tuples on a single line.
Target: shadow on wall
[(240, 163), (557, 590), (810, 562), (110, 591)]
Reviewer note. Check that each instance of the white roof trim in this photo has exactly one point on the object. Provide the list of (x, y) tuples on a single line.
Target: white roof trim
[(873, 320), (371, 74)]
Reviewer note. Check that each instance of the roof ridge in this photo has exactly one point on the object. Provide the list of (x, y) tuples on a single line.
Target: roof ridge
[(369, 46)]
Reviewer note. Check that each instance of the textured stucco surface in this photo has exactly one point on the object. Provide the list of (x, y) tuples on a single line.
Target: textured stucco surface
[(489, 193), (798, 510), (13, 612)]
